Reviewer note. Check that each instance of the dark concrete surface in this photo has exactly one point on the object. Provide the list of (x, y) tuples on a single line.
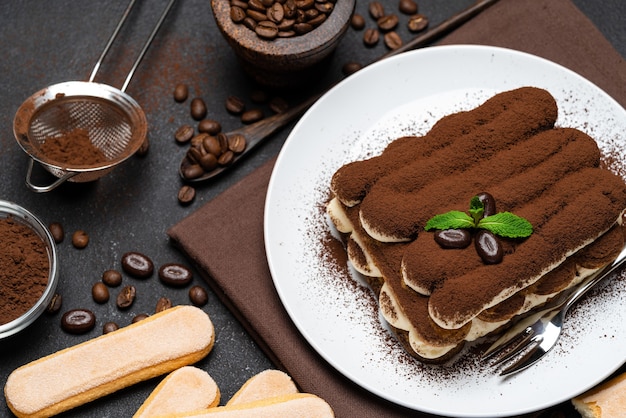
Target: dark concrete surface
[(131, 208)]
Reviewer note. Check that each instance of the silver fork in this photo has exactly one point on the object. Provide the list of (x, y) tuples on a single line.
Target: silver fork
[(535, 335)]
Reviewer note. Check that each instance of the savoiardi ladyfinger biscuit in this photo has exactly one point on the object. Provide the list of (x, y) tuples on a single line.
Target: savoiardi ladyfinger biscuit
[(296, 405), (266, 384), (164, 342), (186, 389)]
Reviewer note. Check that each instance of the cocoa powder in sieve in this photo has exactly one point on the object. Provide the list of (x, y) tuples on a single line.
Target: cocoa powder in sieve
[(72, 148), (24, 267)]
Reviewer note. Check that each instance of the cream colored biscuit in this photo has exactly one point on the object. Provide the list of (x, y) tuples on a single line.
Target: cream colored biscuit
[(299, 405), (76, 375), (266, 384), (185, 389)]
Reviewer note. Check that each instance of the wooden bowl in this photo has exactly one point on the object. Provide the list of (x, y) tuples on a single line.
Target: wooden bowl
[(284, 62)]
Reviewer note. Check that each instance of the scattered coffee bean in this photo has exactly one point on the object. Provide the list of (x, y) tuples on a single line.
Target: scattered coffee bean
[(376, 10), (351, 68), (226, 158), (57, 232), (387, 22), (489, 203), (209, 126), (208, 162), (198, 296), (235, 105), (139, 317), (192, 171), (371, 37), (80, 239), (126, 297), (212, 145), (181, 92), (162, 304), (100, 293), (137, 265), (417, 23), (187, 194), (110, 327), (488, 247), (393, 40), (259, 96), (78, 321), (237, 143), (143, 148), (184, 134), (278, 105), (408, 7), (251, 116), (453, 238), (174, 274), (357, 22), (112, 278), (198, 108), (55, 304)]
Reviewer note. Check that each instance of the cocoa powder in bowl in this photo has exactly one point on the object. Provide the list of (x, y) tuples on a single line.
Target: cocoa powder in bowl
[(28, 268)]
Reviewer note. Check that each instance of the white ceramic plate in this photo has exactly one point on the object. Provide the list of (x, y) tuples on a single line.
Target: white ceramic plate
[(403, 95)]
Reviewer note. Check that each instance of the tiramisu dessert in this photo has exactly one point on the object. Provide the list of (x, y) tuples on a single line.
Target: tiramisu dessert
[(489, 215)]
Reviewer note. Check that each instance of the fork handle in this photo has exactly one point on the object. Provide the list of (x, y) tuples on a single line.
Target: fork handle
[(595, 279)]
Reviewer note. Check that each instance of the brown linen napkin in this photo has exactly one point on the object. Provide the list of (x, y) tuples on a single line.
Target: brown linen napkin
[(224, 237)]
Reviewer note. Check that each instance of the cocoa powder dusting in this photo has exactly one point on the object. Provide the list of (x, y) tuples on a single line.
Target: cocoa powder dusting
[(72, 148), (24, 267)]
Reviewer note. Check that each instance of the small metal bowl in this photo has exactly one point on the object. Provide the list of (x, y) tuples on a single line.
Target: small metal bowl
[(19, 214), (284, 62)]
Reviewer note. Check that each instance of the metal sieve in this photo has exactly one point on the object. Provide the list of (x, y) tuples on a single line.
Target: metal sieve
[(114, 121)]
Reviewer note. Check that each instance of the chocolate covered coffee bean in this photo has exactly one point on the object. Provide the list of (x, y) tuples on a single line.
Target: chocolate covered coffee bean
[(488, 247), (174, 274), (78, 321), (453, 238), (488, 202), (137, 265)]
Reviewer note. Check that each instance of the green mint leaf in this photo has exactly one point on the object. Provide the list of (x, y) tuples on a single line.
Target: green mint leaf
[(452, 220), (477, 209), (506, 224)]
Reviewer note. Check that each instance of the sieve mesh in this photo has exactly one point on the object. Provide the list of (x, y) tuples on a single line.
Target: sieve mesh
[(110, 129)]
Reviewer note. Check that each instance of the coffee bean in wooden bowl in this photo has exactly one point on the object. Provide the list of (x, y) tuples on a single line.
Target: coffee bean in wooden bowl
[(283, 43)]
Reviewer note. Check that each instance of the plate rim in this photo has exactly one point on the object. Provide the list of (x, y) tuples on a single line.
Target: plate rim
[(282, 155)]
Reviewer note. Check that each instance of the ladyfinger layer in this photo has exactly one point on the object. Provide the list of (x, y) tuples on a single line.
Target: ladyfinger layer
[(71, 377)]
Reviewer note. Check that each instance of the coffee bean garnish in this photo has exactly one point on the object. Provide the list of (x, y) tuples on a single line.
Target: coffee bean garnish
[(453, 238), (57, 232), (137, 265), (126, 297), (488, 247), (80, 239), (78, 321)]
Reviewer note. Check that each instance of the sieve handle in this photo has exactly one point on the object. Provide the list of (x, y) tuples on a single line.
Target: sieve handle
[(43, 189), (147, 45), (111, 39)]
